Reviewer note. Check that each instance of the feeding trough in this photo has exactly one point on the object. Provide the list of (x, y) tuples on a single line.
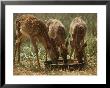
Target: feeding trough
[(71, 65)]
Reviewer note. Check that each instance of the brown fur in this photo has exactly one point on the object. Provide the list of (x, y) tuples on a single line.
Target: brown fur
[(33, 28), (56, 31), (77, 33)]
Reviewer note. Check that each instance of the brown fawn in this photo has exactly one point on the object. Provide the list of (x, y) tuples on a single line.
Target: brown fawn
[(77, 33), (56, 31), (34, 29)]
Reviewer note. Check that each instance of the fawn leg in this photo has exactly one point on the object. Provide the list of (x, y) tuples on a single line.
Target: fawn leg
[(18, 47), (84, 54), (15, 50), (71, 53), (18, 54), (46, 56), (36, 51), (72, 49)]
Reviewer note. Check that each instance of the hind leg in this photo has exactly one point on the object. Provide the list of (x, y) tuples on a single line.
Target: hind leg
[(17, 47)]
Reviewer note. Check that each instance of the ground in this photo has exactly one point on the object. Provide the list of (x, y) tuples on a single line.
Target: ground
[(30, 68)]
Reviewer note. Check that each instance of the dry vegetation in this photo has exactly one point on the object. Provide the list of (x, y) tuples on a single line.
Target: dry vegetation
[(28, 64)]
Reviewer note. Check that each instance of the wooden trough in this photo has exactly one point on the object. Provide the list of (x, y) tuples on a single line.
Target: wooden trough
[(71, 65)]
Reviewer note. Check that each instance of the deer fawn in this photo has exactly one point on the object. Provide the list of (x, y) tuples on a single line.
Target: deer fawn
[(56, 31), (77, 33), (34, 29)]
